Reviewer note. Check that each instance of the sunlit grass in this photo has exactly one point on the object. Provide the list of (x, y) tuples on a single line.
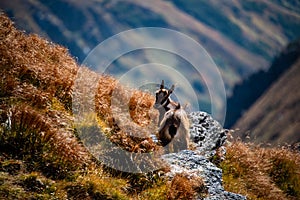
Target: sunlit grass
[(261, 173)]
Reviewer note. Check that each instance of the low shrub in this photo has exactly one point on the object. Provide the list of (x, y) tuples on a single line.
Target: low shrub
[(183, 186)]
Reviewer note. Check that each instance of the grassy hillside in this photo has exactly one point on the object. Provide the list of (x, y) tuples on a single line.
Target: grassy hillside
[(41, 156)]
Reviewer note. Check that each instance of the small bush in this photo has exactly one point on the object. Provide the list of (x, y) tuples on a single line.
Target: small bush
[(184, 187), (157, 192), (32, 183), (11, 166), (92, 186), (285, 170)]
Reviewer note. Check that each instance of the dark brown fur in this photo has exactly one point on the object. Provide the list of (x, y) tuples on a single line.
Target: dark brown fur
[(174, 123), (163, 102)]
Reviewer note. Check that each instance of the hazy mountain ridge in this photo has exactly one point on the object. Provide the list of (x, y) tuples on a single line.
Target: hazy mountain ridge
[(80, 26), (274, 117), (247, 92)]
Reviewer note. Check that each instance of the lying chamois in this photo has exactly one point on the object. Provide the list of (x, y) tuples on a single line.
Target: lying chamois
[(174, 125)]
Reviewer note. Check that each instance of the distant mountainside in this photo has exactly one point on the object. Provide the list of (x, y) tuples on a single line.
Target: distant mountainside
[(274, 118), (241, 36), (247, 92)]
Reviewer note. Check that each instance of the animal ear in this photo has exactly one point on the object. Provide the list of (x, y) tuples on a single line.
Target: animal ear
[(172, 89), (162, 85)]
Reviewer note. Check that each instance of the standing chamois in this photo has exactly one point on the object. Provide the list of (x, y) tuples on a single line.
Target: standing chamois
[(174, 123), (163, 102)]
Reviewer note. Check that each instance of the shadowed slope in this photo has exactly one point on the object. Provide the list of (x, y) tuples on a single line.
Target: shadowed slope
[(274, 118)]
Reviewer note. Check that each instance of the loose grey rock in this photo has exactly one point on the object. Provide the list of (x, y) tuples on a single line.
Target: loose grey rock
[(206, 133), (193, 164)]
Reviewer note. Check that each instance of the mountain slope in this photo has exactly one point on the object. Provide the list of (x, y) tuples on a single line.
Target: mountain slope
[(246, 93), (275, 118), (241, 36)]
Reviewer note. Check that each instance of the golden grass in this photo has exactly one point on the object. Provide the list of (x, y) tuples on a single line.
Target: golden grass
[(36, 86), (36, 79), (261, 173), (91, 183), (183, 186), (131, 116)]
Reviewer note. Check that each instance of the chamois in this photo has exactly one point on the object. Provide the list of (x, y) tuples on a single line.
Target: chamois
[(163, 102), (174, 123)]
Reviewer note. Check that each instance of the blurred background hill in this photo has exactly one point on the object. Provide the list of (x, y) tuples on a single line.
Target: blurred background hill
[(274, 117), (244, 38)]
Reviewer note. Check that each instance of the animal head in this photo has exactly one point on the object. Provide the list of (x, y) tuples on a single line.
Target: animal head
[(162, 95)]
